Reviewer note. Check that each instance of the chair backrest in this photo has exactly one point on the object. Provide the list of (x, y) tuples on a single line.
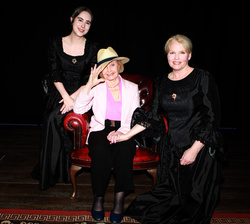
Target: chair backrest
[(145, 85)]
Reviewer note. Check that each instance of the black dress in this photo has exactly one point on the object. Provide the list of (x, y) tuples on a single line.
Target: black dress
[(56, 145), (183, 194)]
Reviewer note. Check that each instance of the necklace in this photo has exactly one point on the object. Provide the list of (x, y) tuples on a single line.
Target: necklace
[(118, 97), (174, 77), (115, 93), (189, 71), (112, 87)]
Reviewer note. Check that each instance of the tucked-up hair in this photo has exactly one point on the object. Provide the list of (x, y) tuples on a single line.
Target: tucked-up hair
[(185, 41), (80, 9)]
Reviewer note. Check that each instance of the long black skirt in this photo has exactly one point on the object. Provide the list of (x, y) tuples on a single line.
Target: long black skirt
[(55, 151), (183, 194)]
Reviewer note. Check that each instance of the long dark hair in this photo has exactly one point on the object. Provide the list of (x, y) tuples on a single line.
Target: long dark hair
[(80, 9)]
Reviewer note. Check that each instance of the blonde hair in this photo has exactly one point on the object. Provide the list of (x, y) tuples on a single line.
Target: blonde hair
[(185, 41), (121, 66)]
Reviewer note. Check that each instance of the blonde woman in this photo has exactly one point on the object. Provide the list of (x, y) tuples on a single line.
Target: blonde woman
[(113, 101), (189, 177)]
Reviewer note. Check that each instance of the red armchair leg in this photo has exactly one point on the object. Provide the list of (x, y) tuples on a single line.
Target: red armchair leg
[(73, 170), (153, 172)]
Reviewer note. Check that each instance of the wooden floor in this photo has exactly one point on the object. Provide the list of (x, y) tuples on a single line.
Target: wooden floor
[(19, 146)]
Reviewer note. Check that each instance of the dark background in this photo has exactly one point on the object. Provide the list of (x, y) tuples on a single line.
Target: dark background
[(219, 31)]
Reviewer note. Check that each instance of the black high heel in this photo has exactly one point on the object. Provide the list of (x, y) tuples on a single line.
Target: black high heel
[(98, 204), (115, 217), (97, 215)]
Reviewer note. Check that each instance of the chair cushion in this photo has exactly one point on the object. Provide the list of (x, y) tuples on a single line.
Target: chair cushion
[(144, 158)]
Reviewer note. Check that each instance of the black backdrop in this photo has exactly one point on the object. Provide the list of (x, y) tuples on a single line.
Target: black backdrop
[(220, 35)]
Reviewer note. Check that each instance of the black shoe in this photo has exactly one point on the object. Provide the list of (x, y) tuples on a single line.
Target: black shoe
[(98, 205), (97, 215), (115, 217)]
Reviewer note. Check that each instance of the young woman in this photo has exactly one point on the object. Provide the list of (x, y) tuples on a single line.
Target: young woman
[(70, 59)]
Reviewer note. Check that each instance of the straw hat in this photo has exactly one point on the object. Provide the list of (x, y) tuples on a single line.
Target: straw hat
[(105, 56)]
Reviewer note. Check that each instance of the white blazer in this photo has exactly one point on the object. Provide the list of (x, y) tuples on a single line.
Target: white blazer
[(97, 99)]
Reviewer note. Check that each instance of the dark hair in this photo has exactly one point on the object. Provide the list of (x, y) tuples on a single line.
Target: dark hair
[(80, 9)]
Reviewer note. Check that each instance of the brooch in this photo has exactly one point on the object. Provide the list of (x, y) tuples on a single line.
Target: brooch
[(174, 95), (74, 60)]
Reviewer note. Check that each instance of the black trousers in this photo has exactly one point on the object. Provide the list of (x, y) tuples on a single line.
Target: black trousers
[(104, 156)]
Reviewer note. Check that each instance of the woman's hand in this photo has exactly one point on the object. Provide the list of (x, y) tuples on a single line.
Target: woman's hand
[(189, 156), (67, 104), (116, 136), (93, 78)]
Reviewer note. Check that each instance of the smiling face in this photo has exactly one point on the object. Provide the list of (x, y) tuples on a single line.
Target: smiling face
[(177, 56), (81, 23), (111, 71)]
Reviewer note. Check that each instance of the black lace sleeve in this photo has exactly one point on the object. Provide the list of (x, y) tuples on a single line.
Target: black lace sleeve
[(151, 120), (54, 62)]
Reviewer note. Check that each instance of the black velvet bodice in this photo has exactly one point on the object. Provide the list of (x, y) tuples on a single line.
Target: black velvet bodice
[(191, 107), (72, 71)]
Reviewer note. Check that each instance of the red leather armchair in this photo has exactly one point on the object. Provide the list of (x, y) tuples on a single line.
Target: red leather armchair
[(145, 159)]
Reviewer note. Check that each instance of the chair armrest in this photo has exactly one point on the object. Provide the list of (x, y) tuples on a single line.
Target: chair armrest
[(79, 125)]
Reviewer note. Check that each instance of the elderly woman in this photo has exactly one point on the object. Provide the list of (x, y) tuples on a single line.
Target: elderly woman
[(189, 175), (113, 101)]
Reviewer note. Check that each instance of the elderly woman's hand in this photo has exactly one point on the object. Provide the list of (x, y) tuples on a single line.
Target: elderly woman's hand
[(116, 136), (93, 78)]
